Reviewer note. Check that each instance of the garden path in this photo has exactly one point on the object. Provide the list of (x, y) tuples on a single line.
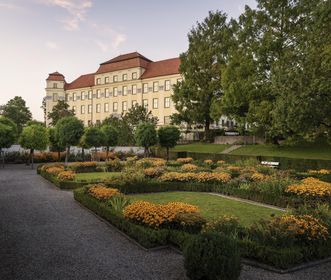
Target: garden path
[(45, 234)]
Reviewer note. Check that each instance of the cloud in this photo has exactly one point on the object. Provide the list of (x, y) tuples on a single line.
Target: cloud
[(114, 43), (52, 45), (77, 10), (8, 6)]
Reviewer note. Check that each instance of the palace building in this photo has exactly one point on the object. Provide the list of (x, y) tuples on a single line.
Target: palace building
[(116, 86)]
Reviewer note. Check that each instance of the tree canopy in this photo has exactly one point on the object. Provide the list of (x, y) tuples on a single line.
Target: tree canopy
[(16, 110), (168, 137), (59, 111), (110, 136), (146, 136), (8, 132)]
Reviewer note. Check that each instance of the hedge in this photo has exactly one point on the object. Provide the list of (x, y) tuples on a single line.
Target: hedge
[(285, 163)]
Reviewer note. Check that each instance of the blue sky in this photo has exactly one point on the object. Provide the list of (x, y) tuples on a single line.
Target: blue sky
[(74, 36)]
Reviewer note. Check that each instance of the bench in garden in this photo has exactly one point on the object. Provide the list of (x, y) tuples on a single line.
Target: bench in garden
[(273, 164)]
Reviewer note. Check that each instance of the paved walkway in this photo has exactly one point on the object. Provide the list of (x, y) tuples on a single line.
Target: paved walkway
[(45, 235), (230, 149)]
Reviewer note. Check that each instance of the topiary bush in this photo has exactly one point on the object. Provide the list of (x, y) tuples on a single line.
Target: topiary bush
[(212, 256)]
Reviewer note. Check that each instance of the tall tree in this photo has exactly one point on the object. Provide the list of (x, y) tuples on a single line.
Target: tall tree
[(146, 136), (59, 111), (8, 135), (139, 114), (200, 67), (110, 137), (69, 130), (34, 137), (16, 110), (125, 131), (55, 145), (93, 137), (168, 137)]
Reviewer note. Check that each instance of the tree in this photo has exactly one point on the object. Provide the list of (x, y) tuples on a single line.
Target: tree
[(168, 137), (16, 110), (125, 132), (110, 137), (138, 114), (34, 137), (93, 137), (35, 122), (8, 135), (146, 136), (69, 130), (59, 111), (200, 67), (54, 141)]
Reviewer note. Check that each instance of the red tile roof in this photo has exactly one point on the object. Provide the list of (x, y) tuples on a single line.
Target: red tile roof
[(124, 61), (162, 68), (56, 76), (81, 82)]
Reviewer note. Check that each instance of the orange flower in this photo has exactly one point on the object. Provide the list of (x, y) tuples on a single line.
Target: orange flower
[(101, 192)]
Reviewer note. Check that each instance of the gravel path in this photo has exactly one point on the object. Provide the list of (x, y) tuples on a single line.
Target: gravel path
[(44, 234)]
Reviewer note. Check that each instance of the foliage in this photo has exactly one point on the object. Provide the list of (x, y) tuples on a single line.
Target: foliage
[(168, 137), (138, 114), (185, 160), (110, 135), (16, 110), (195, 177), (118, 202), (93, 137), (54, 141), (101, 192), (153, 172), (125, 132), (212, 256), (200, 67), (189, 222), (8, 132), (189, 167), (34, 137), (146, 136), (151, 162), (59, 111), (67, 175), (82, 167), (114, 165), (228, 225)]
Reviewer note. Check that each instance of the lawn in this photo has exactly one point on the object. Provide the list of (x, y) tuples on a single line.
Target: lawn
[(95, 176), (201, 148), (212, 206), (312, 151)]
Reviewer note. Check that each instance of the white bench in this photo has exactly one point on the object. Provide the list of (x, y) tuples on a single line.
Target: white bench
[(273, 164)]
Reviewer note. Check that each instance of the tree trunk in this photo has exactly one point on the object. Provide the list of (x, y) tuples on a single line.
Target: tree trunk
[(31, 157), (167, 153), (146, 152), (67, 155), (59, 155), (83, 154), (107, 153), (2, 158), (207, 130)]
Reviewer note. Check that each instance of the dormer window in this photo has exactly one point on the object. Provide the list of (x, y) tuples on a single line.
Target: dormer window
[(54, 85)]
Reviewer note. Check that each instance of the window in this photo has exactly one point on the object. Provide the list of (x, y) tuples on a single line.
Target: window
[(55, 97), (167, 102), (89, 122), (74, 109), (125, 90), (90, 94), (115, 106), (155, 103), (97, 122), (89, 109), (133, 103), (145, 103), (115, 78), (54, 85), (82, 95), (134, 75), (115, 93), (107, 92), (124, 106), (155, 86), (124, 77), (82, 109), (74, 96), (134, 89), (98, 93), (107, 80), (106, 107), (167, 120), (98, 108), (167, 85), (145, 88), (98, 81), (66, 97)]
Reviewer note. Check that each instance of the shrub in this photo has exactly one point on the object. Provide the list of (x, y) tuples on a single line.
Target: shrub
[(118, 202), (153, 172), (212, 256), (208, 161), (156, 215), (228, 225), (66, 175), (311, 187), (258, 177), (189, 222), (114, 165), (101, 192), (220, 162), (189, 167), (185, 160), (83, 167), (151, 162)]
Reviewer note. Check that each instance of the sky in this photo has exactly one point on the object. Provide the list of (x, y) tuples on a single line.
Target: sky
[(74, 36)]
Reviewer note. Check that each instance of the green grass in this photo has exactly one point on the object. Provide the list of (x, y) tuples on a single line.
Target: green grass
[(306, 151), (212, 206), (95, 176), (201, 148)]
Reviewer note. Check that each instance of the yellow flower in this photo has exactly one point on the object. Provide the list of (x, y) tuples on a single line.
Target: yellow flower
[(101, 192), (311, 187), (185, 160), (66, 175), (189, 167)]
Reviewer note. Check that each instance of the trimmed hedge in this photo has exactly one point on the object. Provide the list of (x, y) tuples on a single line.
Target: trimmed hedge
[(284, 162)]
